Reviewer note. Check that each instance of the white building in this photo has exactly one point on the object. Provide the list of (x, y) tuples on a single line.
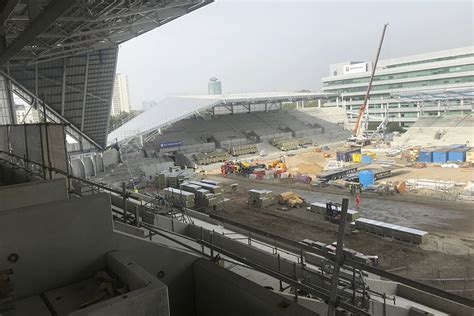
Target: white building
[(405, 88), (214, 86), (120, 99)]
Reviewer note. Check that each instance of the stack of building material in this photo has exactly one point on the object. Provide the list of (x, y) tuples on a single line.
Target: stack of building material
[(160, 181), (213, 182), (390, 230), (173, 177), (285, 144), (203, 198), (211, 157), (216, 190), (261, 198), (179, 197), (243, 149), (304, 141)]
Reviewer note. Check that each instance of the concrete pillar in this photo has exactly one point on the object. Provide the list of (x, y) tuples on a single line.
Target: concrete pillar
[(89, 166), (77, 167), (319, 103)]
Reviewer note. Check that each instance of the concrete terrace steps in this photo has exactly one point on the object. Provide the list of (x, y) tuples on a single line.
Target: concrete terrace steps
[(439, 131)]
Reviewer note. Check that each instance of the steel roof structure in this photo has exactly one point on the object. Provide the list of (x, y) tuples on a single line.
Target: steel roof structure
[(65, 51), (436, 95), (173, 109)]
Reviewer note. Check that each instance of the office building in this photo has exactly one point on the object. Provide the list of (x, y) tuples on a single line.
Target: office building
[(406, 88), (121, 99)]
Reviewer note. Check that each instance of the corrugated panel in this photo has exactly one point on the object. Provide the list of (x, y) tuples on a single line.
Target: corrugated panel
[(100, 79)]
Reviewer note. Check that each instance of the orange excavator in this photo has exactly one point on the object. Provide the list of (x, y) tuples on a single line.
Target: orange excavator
[(278, 164), (357, 139)]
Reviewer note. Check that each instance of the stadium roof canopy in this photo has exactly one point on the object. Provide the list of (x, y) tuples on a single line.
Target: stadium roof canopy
[(435, 95), (173, 109), (65, 51)]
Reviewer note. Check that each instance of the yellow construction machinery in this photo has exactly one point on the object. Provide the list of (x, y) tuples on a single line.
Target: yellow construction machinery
[(278, 163), (291, 199)]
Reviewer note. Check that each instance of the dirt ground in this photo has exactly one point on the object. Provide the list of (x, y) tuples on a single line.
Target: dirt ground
[(435, 173), (451, 230), (309, 161)]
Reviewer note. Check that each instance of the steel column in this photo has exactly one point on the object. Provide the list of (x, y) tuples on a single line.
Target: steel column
[(338, 258), (63, 87), (84, 96)]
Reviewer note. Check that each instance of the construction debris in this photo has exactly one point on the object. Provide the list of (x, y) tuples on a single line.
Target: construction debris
[(291, 199)]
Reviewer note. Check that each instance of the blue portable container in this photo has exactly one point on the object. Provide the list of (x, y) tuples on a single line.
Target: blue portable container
[(458, 154), (440, 155), (425, 155), (366, 159), (366, 178)]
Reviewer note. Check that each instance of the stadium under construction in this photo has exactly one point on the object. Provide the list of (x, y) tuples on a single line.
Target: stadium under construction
[(223, 204)]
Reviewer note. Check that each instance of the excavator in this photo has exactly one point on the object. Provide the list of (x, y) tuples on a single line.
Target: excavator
[(278, 164), (358, 139)]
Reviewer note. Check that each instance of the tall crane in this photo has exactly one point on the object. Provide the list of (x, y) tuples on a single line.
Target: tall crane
[(362, 108)]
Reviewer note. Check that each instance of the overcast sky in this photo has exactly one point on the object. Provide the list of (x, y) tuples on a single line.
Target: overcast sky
[(257, 46)]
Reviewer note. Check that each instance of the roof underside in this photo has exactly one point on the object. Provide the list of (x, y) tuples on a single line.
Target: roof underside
[(65, 51)]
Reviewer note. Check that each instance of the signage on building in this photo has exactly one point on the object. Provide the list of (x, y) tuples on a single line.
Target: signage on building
[(355, 68), (171, 144)]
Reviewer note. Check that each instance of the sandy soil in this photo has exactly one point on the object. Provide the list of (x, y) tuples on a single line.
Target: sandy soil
[(435, 173), (309, 161)]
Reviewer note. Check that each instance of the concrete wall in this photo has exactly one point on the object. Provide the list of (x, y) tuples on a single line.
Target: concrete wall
[(89, 166), (65, 242), (32, 193), (99, 162), (78, 168), (110, 157), (220, 292), (13, 176), (434, 301), (154, 167), (176, 265), (242, 249)]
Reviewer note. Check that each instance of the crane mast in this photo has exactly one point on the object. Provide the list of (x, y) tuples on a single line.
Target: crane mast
[(355, 131)]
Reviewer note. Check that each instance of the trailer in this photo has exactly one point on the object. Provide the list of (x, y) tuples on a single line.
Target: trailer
[(336, 173)]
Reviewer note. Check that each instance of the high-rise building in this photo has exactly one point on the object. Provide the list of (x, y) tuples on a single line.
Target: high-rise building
[(120, 99), (214, 86), (405, 88)]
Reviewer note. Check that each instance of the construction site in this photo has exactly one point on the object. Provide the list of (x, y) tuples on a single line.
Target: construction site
[(270, 203)]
